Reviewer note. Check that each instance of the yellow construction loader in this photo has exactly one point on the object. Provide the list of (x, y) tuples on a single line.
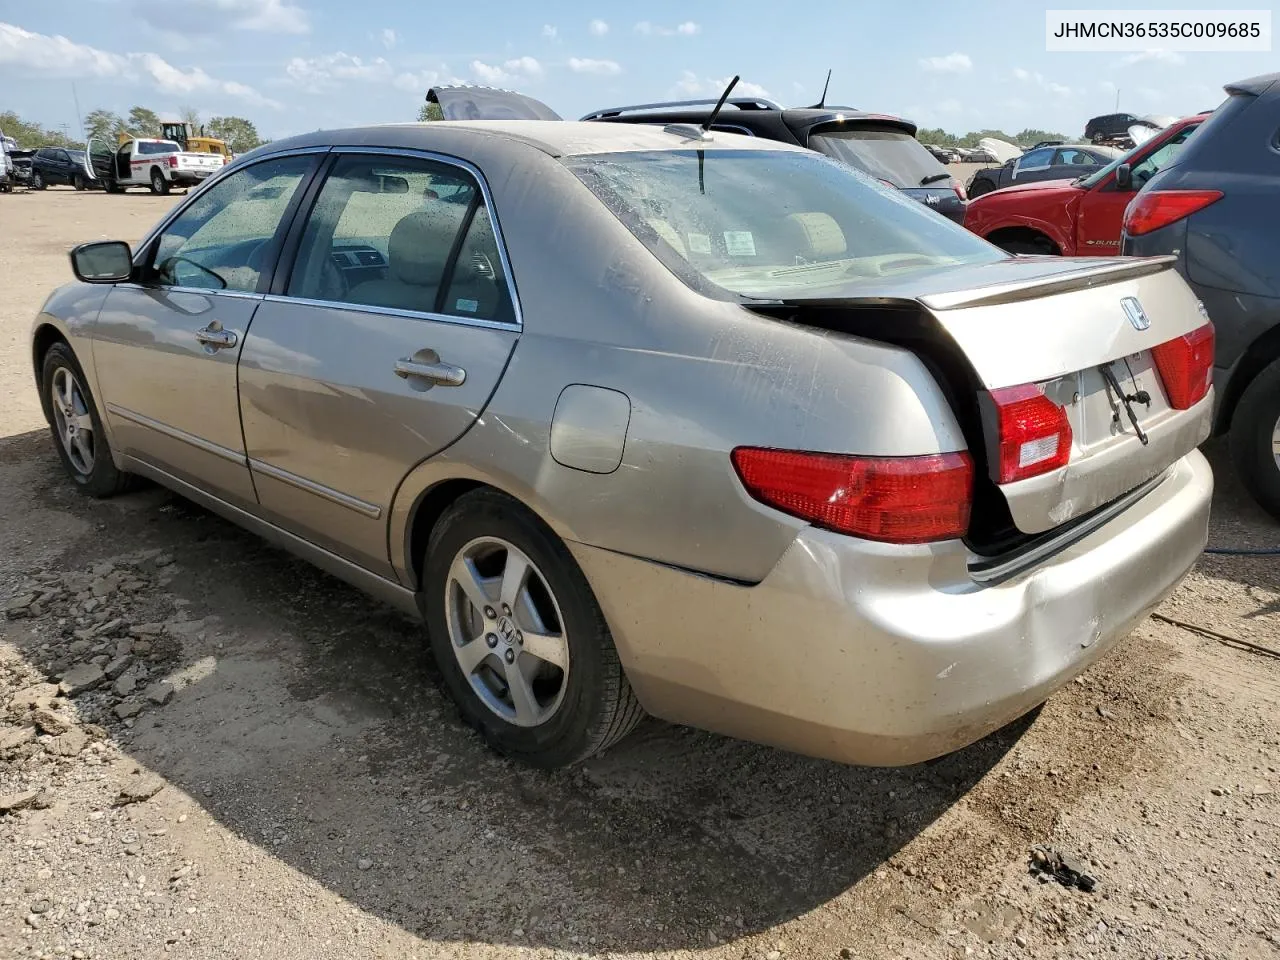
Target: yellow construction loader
[(185, 136)]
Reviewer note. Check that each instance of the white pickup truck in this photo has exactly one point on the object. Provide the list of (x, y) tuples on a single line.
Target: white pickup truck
[(158, 164)]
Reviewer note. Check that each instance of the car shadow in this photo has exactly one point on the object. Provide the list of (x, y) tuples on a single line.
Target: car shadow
[(309, 722)]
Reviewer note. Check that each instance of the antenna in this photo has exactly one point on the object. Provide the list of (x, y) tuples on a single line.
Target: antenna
[(823, 102), (720, 103)]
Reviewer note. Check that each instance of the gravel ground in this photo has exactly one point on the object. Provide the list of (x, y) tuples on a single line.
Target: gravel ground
[(211, 750)]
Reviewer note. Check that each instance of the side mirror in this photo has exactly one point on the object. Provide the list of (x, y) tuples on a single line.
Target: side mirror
[(103, 261), (1124, 177)]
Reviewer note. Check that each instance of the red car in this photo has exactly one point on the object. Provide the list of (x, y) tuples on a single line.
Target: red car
[(1075, 218)]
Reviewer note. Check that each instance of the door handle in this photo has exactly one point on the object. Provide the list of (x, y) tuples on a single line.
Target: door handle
[(445, 374), (214, 336)]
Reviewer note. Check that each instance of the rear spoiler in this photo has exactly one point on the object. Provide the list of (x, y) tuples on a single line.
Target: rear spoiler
[(1253, 87), (474, 102)]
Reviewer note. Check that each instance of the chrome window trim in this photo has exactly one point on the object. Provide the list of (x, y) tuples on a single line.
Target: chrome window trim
[(362, 507), (193, 195), (203, 291), (208, 446), (395, 312), (490, 210)]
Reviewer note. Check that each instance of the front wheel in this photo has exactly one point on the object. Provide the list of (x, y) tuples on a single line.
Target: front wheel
[(522, 644), (1255, 439), (78, 182), (159, 184), (979, 187), (37, 180), (76, 426)]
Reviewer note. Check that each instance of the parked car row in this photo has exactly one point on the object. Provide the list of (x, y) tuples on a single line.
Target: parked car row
[(614, 404)]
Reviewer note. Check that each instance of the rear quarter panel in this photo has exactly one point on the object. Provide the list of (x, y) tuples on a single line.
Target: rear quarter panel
[(701, 377)]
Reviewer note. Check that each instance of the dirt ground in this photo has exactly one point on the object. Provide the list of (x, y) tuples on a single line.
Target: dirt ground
[(269, 769)]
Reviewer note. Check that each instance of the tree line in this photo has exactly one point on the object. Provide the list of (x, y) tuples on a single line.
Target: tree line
[(239, 134), (1026, 138)]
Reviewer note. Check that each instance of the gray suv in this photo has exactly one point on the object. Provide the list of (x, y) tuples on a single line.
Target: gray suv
[(1216, 209)]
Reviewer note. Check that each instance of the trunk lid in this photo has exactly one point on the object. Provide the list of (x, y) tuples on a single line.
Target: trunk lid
[(1061, 324)]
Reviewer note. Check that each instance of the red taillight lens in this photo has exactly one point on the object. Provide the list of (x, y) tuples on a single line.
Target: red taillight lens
[(1159, 208), (959, 188), (892, 499), (1186, 366), (1035, 434), (173, 162)]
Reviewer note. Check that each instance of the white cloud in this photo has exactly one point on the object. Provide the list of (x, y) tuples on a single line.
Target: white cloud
[(1040, 81), (549, 32), (951, 63), (212, 16), (56, 56), (388, 38), (598, 28), (317, 74), (587, 65), (510, 71), (692, 85), (1169, 57), (647, 29)]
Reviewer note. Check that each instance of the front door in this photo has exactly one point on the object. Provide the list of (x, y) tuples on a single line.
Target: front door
[(99, 160), (166, 348), (379, 349)]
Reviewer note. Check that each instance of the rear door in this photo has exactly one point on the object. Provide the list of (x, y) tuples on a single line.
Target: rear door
[(378, 350)]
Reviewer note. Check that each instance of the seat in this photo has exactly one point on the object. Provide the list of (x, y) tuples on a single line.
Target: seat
[(818, 235), (417, 253)]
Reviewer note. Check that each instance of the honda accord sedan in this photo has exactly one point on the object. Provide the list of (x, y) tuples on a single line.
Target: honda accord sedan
[(646, 420)]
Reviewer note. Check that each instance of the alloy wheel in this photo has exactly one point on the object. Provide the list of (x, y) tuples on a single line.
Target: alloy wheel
[(506, 631), (72, 419), (1275, 443)]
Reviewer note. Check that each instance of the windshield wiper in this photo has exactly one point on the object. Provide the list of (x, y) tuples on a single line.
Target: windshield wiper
[(1128, 399), (934, 178)]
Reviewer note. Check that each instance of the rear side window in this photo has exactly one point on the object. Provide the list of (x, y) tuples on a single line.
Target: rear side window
[(889, 155), (152, 148), (406, 234)]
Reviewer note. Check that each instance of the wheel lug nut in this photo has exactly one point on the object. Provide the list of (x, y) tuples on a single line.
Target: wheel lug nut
[(506, 609), (509, 656), (519, 637), (489, 612), (491, 640)]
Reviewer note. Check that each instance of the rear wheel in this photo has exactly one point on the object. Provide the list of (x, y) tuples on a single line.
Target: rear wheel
[(37, 180), (158, 182), (78, 182), (979, 187), (76, 426), (1255, 439), (112, 186), (523, 646)]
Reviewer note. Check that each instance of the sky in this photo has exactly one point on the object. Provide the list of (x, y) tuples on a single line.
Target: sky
[(297, 65)]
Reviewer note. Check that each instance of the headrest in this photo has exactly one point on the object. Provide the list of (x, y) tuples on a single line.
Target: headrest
[(419, 246), (822, 234)]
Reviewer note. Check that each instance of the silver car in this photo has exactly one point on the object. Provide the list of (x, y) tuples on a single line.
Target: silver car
[(644, 420)]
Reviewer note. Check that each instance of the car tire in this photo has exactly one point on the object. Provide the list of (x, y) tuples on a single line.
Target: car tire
[(113, 186), (471, 565), (159, 185), (1255, 429), (78, 182), (1037, 247), (979, 187), (37, 180), (69, 404)]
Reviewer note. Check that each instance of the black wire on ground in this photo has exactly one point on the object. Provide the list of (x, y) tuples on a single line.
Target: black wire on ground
[(1243, 552), (1220, 637)]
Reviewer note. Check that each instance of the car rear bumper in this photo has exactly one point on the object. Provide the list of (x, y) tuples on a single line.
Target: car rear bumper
[(887, 655)]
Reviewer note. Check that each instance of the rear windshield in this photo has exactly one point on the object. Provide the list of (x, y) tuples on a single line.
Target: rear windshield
[(772, 225), (885, 154), (153, 147)]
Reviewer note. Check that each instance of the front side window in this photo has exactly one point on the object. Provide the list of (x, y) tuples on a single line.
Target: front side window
[(1036, 158), (221, 241), (1070, 157), (890, 155), (154, 147), (772, 225), (1157, 160), (406, 234)]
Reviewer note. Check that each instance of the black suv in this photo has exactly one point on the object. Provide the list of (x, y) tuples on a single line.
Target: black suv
[(1109, 127), (884, 147), (1216, 208), (56, 165)]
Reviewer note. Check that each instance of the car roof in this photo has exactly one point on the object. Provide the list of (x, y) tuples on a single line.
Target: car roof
[(558, 138)]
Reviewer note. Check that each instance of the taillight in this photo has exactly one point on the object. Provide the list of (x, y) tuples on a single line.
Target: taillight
[(959, 189), (173, 162), (1152, 210), (1034, 433), (891, 499), (1186, 366)]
